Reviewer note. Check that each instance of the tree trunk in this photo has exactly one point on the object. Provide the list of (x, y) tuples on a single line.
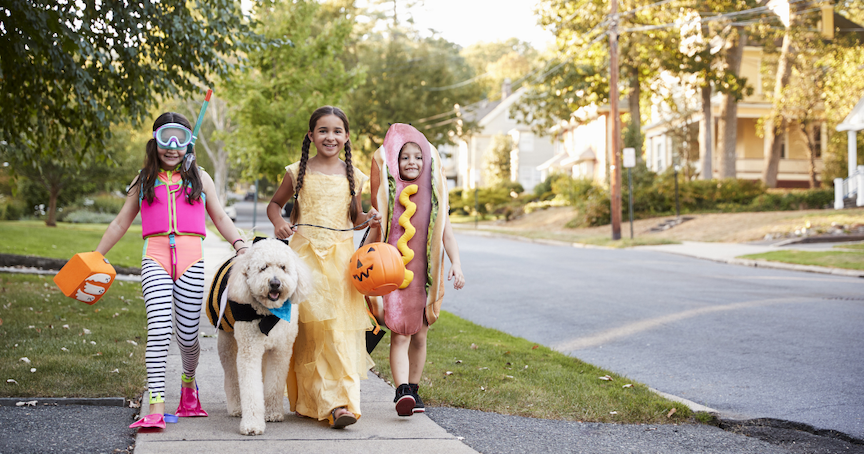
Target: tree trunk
[(775, 134), (635, 113), (706, 125), (53, 194), (727, 127)]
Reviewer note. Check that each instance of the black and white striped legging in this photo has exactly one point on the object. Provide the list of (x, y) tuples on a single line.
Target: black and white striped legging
[(187, 294)]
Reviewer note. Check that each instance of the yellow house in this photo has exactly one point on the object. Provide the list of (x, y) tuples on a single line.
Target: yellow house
[(660, 148)]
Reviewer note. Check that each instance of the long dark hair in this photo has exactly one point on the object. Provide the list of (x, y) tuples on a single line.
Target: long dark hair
[(146, 180), (353, 207)]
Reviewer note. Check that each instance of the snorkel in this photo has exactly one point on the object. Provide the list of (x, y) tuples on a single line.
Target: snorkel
[(190, 156)]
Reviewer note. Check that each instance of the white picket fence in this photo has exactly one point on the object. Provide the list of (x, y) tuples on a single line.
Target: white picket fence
[(849, 188)]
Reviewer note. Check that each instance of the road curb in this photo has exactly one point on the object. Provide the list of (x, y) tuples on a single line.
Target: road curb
[(530, 240), (36, 401)]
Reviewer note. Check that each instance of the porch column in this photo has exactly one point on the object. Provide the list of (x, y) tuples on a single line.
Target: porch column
[(852, 151)]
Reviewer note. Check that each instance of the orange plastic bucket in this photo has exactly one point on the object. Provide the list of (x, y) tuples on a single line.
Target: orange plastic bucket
[(86, 277)]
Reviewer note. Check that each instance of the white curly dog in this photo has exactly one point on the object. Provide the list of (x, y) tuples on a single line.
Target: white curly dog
[(256, 356)]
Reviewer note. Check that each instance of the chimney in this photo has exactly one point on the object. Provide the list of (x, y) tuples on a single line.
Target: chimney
[(505, 88)]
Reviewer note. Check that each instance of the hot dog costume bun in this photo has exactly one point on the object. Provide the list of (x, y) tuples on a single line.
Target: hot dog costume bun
[(404, 309)]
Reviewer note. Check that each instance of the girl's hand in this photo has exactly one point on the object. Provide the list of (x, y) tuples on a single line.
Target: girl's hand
[(241, 251), (456, 271), (285, 230), (374, 215)]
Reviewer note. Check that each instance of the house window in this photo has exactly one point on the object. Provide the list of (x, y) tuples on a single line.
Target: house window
[(817, 140), (526, 142), (659, 157), (783, 146)]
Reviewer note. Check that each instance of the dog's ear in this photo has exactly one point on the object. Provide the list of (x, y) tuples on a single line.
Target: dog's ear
[(304, 279), (238, 289)]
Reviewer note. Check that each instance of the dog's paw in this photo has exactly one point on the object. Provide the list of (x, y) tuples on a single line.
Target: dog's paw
[(251, 428), (235, 412), (275, 417)]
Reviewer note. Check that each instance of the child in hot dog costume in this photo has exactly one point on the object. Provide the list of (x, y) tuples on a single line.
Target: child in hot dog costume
[(409, 188)]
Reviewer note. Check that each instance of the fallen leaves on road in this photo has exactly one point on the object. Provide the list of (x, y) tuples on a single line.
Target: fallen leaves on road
[(12, 381), (473, 346), (32, 370), (671, 412), (131, 342), (29, 403), (605, 377), (25, 359), (628, 385)]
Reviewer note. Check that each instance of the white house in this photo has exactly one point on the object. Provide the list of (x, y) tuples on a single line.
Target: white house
[(493, 118)]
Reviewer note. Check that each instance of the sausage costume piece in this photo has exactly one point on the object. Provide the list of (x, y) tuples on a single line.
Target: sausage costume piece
[(404, 310)]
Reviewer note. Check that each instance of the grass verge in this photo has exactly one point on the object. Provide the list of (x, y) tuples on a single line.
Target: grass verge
[(469, 366), (62, 242), (38, 322), (836, 259), (859, 246), (605, 241)]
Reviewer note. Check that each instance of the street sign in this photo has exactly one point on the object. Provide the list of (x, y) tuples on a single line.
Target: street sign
[(629, 157)]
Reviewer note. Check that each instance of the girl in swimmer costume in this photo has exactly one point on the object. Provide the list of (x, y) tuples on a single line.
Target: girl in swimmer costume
[(409, 188), (173, 197)]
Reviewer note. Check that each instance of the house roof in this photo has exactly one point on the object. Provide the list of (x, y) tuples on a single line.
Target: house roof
[(501, 106), (855, 120), (552, 161)]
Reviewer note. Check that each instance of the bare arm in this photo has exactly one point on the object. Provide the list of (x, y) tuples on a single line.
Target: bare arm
[(374, 184), (452, 250), (282, 228), (121, 223), (217, 214)]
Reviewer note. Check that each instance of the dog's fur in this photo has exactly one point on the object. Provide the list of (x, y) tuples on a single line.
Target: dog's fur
[(256, 365)]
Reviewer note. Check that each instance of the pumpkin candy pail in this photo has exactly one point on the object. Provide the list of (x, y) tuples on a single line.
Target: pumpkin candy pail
[(376, 269)]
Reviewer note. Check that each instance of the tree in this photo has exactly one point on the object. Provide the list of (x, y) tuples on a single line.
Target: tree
[(497, 171), (286, 83), (498, 60), (408, 79), (74, 68)]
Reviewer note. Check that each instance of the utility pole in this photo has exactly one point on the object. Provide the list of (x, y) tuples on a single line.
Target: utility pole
[(615, 183)]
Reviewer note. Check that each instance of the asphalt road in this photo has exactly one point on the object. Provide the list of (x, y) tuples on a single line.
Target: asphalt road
[(747, 342)]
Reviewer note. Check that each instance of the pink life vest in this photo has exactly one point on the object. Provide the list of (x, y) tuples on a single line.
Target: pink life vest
[(170, 212)]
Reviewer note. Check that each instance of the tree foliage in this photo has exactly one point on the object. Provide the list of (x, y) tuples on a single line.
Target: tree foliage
[(79, 66), (286, 83), (408, 79)]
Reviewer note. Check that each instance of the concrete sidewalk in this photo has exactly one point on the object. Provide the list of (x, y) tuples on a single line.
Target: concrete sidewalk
[(378, 430)]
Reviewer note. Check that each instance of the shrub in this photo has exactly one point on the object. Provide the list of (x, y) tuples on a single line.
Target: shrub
[(11, 209), (89, 217)]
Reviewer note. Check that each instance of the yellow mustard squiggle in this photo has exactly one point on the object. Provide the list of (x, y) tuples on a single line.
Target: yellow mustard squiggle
[(405, 222)]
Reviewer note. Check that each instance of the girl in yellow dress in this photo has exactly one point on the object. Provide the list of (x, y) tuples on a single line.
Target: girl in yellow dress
[(330, 355)]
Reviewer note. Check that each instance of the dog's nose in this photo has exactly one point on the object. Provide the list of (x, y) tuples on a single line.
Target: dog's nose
[(275, 283)]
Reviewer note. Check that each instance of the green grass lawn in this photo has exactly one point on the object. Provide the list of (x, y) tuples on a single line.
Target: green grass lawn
[(40, 323), (65, 240), (469, 366), (858, 246), (836, 259)]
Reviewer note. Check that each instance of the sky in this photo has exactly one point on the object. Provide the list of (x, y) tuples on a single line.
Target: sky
[(466, 22)]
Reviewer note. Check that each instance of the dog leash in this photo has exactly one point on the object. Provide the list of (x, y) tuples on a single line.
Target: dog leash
[(356, 227)]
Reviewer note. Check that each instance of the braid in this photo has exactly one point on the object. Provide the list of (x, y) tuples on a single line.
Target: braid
[(349, 172), (304, 158)]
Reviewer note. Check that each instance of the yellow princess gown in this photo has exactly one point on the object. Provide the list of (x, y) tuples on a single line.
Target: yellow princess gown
[(330, 356)]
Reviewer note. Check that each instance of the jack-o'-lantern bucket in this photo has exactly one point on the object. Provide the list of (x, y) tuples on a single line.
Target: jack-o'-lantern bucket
[(376, 269), (86, 277)]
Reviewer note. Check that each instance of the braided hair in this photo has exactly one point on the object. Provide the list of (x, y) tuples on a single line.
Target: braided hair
[(353, 206), (146, 180)]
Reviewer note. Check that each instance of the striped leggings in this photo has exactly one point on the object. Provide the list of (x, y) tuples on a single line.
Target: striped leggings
[(187, 294)]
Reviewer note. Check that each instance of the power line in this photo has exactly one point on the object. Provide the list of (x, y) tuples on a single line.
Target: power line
[(457, 85)]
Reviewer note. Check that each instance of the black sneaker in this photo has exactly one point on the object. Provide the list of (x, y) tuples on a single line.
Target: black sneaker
[(418, 402), (404, 400)]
